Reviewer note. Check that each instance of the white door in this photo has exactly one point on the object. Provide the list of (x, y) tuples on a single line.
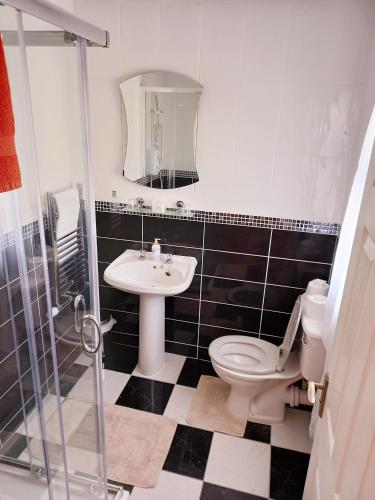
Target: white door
[(342, 465)]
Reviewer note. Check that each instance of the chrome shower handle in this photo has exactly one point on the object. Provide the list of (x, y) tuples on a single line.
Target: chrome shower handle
[(91, 351)]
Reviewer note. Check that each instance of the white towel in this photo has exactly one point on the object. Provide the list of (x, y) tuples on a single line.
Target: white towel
[(68, 206)]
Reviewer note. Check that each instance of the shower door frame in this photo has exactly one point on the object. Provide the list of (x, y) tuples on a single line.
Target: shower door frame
[(82, 35)]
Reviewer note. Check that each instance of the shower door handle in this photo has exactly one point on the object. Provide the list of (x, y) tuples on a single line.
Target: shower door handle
[(91, 351)]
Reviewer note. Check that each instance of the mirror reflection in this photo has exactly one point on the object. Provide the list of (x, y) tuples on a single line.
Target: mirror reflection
[(161, 115)]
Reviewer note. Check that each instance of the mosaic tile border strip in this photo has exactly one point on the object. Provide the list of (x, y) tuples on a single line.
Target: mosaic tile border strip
[(28, 230), (225, 218)]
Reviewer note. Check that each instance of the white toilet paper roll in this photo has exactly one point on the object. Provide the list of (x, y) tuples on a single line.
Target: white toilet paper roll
[(317, 287), (315, 306)]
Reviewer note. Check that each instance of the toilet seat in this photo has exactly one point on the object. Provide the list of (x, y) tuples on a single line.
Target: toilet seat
[(244, 354), (253, 356)]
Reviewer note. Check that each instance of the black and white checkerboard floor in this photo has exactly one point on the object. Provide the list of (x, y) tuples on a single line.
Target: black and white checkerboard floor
[(269, 462)]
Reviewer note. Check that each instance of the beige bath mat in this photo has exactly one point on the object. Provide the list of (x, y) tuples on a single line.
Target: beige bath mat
[(137, 445), (208, 409), (137, 442)]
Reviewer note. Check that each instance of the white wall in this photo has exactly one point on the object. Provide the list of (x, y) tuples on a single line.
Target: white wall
[(347, 235), (54, 83), (279, 112), (57, 117)]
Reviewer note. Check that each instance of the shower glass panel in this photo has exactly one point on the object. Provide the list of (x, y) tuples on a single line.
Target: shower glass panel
[(51, 409), (24, 392)]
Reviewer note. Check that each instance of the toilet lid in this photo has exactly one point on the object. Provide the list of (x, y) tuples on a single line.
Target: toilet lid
[(290, 334), (244, 354)]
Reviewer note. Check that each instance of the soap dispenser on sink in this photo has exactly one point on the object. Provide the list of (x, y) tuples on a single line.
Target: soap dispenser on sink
[(155, 250)]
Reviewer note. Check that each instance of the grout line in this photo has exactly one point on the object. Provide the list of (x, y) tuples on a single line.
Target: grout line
[(117, 239), (200, 288), (63, 361), (265, 281), (205, 301), (123, 333), (233, 279), (301, 260), (228, 279), (142, 232), (218, 251), (175, 245), (166, 340), (120, 311), (10, 318), (231, 329), (9, 421), (230, 305), (286, 286), (268, 284), (202, 324), (263, 335)]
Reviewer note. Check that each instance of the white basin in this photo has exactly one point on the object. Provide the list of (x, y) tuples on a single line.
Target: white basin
[(130, 274), (152, 281)]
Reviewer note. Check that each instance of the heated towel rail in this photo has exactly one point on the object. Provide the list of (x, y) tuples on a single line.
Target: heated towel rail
[(68, 253)]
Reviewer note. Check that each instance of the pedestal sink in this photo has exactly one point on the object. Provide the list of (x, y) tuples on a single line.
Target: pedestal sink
[(152, 281)]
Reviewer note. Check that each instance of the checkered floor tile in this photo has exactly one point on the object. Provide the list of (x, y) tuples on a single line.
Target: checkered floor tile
[(269, 462)]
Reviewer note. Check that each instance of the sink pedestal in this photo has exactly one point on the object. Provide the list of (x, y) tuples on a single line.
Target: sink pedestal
[(151, 333)]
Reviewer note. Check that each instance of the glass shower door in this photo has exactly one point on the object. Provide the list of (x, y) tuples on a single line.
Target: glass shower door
[(62, 421)]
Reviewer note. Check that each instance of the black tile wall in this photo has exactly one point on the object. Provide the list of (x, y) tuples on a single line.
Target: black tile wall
[(109, 249), (209, 333), (121, 226), (229, 291), (295, 273), (15, 372), (236, 317), (274, 323), (238, 239), (235, 266), (173, 232), (246, 281), (280, 298), (303, 246), (181, 331), (182, 309), (16, 385)]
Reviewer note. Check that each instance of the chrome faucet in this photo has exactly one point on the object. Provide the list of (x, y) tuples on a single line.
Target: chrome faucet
[(169, 262), (142, 255), (140, 202)]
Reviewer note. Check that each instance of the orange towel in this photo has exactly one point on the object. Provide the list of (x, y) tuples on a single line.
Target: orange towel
[(10, 175)]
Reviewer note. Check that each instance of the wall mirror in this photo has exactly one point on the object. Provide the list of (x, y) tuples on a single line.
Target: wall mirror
[(160, 129)]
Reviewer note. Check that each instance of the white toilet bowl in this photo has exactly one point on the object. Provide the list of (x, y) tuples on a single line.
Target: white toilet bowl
[(258, 391), (260, 374)]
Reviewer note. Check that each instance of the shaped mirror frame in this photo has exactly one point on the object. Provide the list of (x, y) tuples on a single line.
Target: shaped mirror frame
[(160, 128)]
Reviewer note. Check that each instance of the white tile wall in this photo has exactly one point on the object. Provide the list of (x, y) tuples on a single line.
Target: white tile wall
[(278, 121)]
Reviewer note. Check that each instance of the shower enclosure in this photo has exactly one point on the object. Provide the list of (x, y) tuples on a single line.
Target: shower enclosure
[(47, 345)]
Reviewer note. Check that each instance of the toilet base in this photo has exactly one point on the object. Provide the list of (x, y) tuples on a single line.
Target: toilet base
[(260, 400), (263, 410), (267, 419), (263, 403)]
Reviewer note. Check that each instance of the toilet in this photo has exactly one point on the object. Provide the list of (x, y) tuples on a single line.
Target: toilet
[(262, 375)]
